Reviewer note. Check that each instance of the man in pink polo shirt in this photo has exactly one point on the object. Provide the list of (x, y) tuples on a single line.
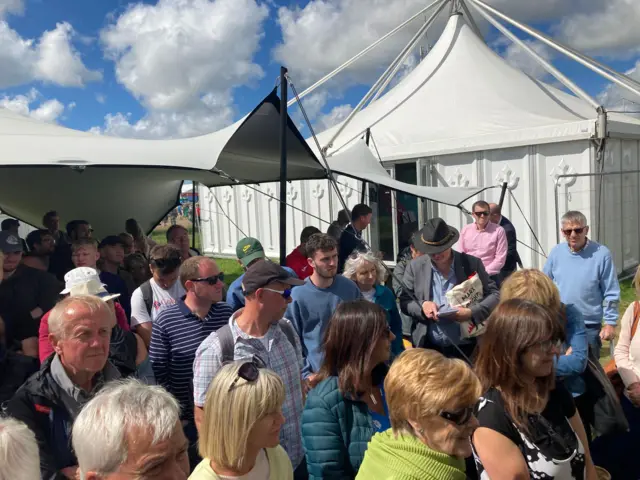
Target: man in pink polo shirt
[(485, 240)]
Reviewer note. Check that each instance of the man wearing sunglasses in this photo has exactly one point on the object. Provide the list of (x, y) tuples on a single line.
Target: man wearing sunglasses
[(485, 240), (259, 332), (586, 276), (179, 330)]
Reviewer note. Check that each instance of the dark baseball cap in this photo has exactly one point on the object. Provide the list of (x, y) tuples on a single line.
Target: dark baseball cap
[(110, 241), (10, 243), (262, 274), (249, 249)]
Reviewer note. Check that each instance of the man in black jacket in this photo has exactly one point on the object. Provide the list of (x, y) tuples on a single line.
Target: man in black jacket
[(428, 279), (513, 258), (50, 400), (351, 238), (15, 369)]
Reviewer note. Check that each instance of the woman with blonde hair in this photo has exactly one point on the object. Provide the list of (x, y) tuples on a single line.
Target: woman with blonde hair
[(240, 433), (529, 427), (431, 401), (367, 271), (535, 286)]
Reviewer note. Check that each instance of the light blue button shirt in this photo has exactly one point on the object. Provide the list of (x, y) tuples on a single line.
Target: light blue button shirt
[(439, 288)]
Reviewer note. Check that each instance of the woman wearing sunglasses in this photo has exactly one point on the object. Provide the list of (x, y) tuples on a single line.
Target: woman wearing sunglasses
[(431, 401), (240, 434), (529, 427), (367, 271), (348, 404)]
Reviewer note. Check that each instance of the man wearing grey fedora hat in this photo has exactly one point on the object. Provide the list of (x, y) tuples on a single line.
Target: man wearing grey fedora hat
[(428, 278)]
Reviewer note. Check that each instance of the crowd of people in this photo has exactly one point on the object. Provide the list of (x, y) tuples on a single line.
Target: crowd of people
[(123, 359)]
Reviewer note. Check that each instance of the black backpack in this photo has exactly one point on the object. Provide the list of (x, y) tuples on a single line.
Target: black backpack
[(227, 345), (147, 295)]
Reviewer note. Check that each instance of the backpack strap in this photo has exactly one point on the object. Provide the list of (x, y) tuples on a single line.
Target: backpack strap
[(147, 295), (287, 329), (636, 318), (226, 343)]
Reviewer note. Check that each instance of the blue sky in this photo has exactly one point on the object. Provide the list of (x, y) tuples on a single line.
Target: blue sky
[(318, 37)]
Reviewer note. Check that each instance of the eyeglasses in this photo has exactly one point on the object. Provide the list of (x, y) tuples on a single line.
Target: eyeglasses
[(248, 371), (459, 417), (481, 214), (578, 231), (286, 294), (212, 280)]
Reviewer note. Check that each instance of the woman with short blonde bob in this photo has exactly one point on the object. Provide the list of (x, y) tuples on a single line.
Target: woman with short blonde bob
[(431, 402), (240, 434), (535, 286)]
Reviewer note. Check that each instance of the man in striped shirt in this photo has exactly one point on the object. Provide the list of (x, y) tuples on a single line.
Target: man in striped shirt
[(179, 330)]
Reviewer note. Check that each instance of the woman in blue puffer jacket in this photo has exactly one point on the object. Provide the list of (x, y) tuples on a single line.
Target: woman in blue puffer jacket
[(347, 405)]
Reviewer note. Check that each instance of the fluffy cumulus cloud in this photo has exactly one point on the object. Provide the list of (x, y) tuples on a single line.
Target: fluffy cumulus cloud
[(47, 111), (522, 60), (334, 117), (615, 97), (182, 59), (51, 59)]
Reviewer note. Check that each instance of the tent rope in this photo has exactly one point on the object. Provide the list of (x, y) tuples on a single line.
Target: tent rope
[(226, 215), (528, 224)]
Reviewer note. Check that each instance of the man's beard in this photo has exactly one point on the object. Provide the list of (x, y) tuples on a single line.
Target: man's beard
[(324, 274)]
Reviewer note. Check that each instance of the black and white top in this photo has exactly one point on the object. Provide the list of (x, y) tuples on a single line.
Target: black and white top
[(551, 449)]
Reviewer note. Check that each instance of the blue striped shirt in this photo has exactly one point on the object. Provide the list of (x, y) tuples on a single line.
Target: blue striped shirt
[(177, 333)]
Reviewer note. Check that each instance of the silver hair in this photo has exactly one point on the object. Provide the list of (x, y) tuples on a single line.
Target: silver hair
[(59, 314), (19, 455), (574, 217), (355, 261), (101, 432)]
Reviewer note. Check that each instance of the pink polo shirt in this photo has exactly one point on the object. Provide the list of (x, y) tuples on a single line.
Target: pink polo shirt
[(489, 245)]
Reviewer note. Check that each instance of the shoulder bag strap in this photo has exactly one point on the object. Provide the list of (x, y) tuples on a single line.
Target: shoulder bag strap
[(226, 343)]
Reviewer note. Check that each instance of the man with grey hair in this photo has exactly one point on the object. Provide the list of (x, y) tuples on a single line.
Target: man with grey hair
[(586, 276), (50, 400), (131, 431), (18, 451)]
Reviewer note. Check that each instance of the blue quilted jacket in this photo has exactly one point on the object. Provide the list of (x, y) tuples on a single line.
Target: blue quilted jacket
[(335, 432)]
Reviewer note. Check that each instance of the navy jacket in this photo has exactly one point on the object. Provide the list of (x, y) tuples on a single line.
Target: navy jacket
[(513, 258)]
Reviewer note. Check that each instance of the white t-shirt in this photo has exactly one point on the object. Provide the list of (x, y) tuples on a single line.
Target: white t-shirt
[(260, 471), (370, 295), (161, 299)]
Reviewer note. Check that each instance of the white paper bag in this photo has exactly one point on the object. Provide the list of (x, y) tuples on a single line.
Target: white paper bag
[(464, 295)]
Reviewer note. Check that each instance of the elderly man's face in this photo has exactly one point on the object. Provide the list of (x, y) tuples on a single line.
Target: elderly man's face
[(576, 235), (167, 460), (84, 346)]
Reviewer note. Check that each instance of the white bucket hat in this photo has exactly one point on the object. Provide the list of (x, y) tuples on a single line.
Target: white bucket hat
[(86, 281)]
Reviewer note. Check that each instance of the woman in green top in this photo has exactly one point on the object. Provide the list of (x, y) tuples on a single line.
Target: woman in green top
[(431, 400), (239, 436)]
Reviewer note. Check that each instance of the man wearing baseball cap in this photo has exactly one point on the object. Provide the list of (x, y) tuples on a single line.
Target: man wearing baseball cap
[(259, 331), (24, 289), (249, 251)]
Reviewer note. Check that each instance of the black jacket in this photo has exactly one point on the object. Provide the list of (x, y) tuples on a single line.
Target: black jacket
[(513, 258), (27, 289), (38, 403), (350, 241), (15, 369)]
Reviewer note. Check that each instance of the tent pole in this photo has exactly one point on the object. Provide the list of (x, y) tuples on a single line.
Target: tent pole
[(398, 66), (283, 165), (194, 186), (558, 46), (471, 20), (546, 65), (383, 77), (346, 64), (503, 192), (363, 194)]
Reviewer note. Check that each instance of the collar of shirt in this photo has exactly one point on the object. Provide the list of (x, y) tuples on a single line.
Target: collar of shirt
[(237, 332), (77, 394), (186, 311), (489, 228), (576, 252)]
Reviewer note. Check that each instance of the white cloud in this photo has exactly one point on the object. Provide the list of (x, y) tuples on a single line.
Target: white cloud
[(521, 59), (101, 98), (335, 116), (52, 59), (616, 98), (15, 7), (47, 111)]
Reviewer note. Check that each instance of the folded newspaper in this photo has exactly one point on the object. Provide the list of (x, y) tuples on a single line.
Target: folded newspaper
[(464, 295)]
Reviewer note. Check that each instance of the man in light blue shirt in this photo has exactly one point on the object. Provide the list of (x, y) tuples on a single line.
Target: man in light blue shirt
[(586, 276)]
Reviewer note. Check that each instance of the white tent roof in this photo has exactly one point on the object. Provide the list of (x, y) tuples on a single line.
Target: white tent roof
[(116, 178), (465, 97)]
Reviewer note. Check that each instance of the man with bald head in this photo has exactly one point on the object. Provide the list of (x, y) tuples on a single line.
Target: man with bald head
[(513, 258), (50, 400)]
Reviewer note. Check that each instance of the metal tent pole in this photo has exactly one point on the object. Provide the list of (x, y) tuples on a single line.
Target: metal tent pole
[(382, 78), (546, 65), (346, 64), (194, 186), (472, 22), (503, 192), (283, 165), (558, 46)]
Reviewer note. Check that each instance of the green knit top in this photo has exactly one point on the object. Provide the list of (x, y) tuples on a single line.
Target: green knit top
[(404, 457)]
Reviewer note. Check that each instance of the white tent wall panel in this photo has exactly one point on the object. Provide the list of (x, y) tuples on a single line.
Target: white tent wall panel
[(630, 204)]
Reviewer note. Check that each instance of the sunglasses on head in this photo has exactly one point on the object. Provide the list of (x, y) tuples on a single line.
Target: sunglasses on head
[(459, 417), (212, 280), (578, 231), (483, 213), (248, 371), (284, 293)]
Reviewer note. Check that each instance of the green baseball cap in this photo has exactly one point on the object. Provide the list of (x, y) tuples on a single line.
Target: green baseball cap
[(249, 249)]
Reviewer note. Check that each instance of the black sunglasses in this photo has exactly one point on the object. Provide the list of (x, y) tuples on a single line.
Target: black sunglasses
[(482, 214), (248, 371), (459, 417), (578, 231), (212, 280)]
